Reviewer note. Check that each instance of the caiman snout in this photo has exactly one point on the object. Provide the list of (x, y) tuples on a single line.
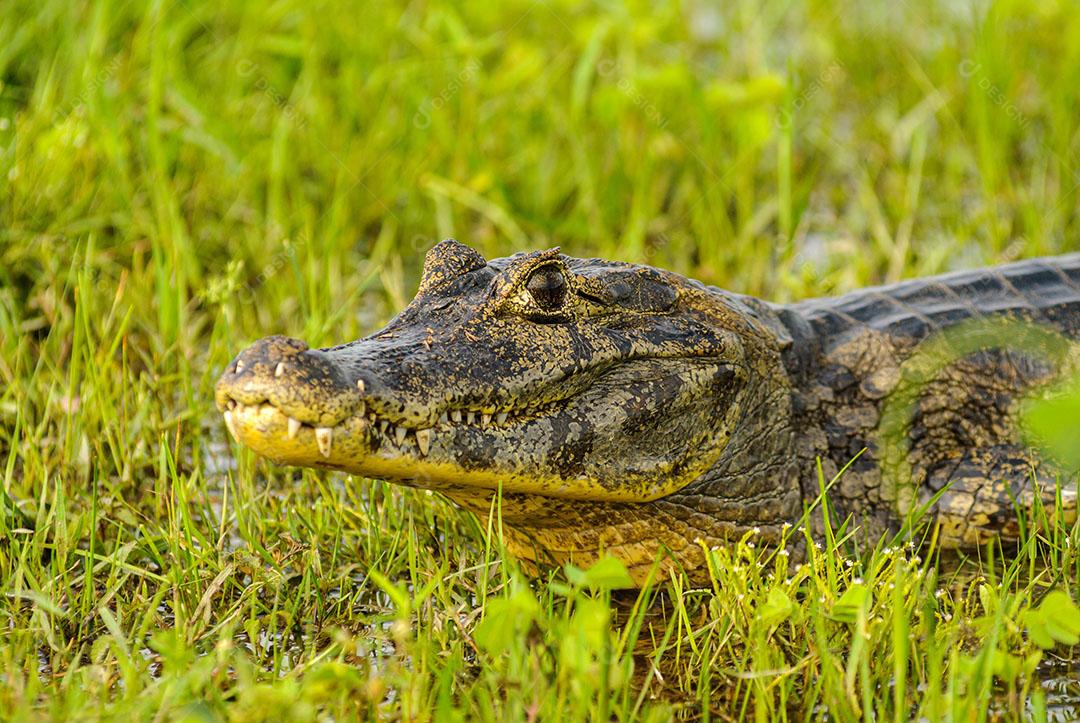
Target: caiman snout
[(309, 406), (304, 384)]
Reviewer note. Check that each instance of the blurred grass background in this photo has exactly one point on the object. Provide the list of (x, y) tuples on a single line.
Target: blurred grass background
[(180, 177)]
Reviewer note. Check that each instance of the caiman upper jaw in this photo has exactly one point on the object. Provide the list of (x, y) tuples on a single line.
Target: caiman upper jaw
[(302, 383)]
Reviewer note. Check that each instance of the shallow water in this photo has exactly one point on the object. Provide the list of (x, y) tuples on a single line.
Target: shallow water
[(1060, 681)]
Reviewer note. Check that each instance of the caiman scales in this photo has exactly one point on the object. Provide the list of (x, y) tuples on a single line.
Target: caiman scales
[(622, 409)]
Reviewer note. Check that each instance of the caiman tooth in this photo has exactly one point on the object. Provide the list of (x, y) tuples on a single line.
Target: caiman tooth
[(485, 419), (231, 424), (360, 385), (399, 435), (324, 437), (470, 418), (383, 424), (423, 440), (500, 418), (279, 369), (444, 418), (294, 427), (456, 415)]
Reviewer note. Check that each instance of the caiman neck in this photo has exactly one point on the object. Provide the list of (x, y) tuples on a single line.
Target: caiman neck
[(755, 483)]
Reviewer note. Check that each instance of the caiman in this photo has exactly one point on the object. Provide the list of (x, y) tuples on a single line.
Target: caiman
[(622, 409)]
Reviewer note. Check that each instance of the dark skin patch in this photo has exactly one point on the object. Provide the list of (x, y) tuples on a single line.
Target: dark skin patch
[(569, 456)]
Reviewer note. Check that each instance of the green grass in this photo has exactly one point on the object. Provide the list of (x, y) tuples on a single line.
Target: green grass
[(179, 178)]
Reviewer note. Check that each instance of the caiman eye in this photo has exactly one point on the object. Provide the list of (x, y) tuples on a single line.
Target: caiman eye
[(547, 285)]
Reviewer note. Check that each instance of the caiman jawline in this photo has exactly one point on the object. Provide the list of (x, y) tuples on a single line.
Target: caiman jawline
[(239, 416), (376, 450)]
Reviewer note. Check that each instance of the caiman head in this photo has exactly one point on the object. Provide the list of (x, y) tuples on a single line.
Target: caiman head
[(611, 407)]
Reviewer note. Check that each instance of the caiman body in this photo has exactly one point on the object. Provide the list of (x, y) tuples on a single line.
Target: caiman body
[(623, 409)]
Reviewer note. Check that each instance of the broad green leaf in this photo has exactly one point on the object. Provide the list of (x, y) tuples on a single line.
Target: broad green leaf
[(506, 620), (592, 619), (1052, 424), (1036, 627), (1062, 617), (776, 609), (846, 609), (607, 573), (1056, 620)]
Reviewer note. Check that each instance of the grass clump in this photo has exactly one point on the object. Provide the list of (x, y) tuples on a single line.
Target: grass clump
[(180, 178)]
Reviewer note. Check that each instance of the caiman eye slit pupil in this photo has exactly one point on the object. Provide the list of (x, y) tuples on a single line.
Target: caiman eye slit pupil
[(547, 285)]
